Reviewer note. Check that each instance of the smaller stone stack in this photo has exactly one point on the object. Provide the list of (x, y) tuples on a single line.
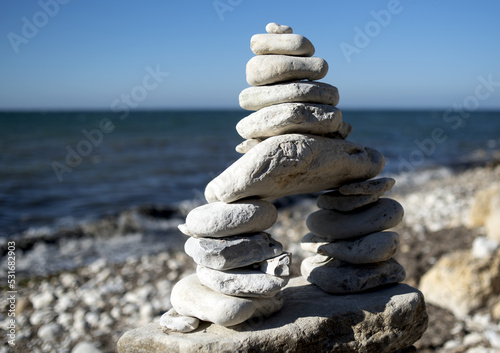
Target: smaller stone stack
[(347, 233), (240, 271)]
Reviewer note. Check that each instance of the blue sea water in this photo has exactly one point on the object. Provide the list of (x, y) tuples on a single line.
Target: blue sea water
[(62, 167)]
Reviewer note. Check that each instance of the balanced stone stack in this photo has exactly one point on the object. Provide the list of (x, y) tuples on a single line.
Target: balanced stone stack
[(295, 143), (347, 233)]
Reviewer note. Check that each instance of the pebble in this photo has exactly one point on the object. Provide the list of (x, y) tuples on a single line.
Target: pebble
[(247, 145), (284, 44), (483, 247), (278, 29), (255, 98), (333, 225), (85, 347), (369, 187), (191, 298), (178, 323), (294, 164), (277, 266), (268, 69), (49, 332), (232, 252), (219, 219), (334, 200), (338, 277), (294, 118), (241, 282), (42, 300), (368, 249)]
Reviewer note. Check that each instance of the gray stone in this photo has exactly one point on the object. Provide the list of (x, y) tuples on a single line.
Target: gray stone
[(311, 321), (172, 321), (294, 118), (334, 200), (255, 98), (278, 29), (241, 282), (285, 44), (277, 266), (190, 298), (232, 252), (247, 145), (367, 249), (368, 187), (268, 69), (294, 164), (337, 277), (334, 225), (219, 219)]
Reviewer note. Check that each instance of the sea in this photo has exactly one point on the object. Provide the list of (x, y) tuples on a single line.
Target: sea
[(61, 168)]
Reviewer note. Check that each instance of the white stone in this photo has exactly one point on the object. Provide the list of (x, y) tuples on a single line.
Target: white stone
[(177, 323), (278, 29), (232, 252), (85, 347), (336, 276), (241, 282), (255, 98), (268, 69), (289, 118), (49, 332), (294, 164), (247, 145), (42, 300), (285, 44), (368, 187), (334, 225), (277, 266), (219, 219), (370, 248), (483, 247), (191, 298)]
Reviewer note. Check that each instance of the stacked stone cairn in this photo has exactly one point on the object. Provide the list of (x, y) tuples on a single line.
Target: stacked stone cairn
[(294, 143)]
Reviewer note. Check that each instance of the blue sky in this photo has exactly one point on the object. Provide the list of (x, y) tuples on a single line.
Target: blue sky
[(89, 53)]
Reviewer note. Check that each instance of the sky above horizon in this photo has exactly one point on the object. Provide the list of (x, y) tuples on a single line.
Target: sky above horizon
[(74, 54)]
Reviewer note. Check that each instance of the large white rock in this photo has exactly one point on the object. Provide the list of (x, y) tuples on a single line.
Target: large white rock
[(232, 252), (283, 43), (334, 225), (241, 282), (336, 276), (255, 98), (277, 28), (294, 164), (190, 298), (370, 248), (290, 118), (268, 69), (219, 219)]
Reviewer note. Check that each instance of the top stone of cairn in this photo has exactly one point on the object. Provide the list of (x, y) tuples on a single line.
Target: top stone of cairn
[(280, 39), (275, 28)]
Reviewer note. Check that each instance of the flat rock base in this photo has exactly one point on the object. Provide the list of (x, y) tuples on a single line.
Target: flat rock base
[(386, 320)]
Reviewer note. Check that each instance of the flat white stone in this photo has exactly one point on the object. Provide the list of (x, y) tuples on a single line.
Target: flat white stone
[(219, 219), (334, 200), (267, 69), (285, 44), (367, 249), (278, 29), (294, 164), (368, 187), (178, 323), (277, 266), (333, 225), (338, 277), (255, 98), (241, 282), (190, 298), (232, 252), (247, 145), (290, 118)]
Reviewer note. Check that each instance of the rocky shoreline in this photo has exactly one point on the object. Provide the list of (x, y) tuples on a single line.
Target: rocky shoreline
[(87, 285)]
